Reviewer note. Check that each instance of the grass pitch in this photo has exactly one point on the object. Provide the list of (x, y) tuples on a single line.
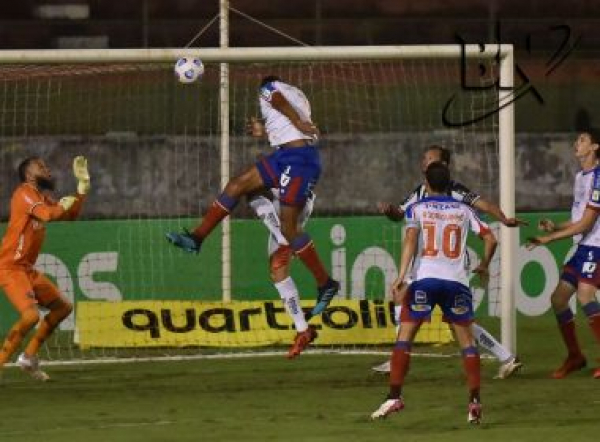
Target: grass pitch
[(313, 398)]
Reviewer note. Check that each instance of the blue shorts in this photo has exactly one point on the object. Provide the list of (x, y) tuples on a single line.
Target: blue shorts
[(584, 266), (293, 170), (454, 298)]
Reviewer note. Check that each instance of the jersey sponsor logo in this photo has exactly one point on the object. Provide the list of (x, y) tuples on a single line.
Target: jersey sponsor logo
[(462, 304), (420, 307), (596, 196), (596, 179), (266, 92), (459, 310), (420, 297)]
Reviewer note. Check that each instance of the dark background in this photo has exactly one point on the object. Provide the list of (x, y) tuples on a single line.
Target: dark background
[(172, 23), (543, 33)]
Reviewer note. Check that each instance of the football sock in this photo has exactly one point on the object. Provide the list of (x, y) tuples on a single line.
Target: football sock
[(472, 365), (304, 249), (592, 311), (566, 325), (289, 294), (219, 209), (488, 342), (400, 364)]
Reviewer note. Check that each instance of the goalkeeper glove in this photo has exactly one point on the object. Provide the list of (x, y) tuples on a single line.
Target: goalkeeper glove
[(66, 202), (80, 170)]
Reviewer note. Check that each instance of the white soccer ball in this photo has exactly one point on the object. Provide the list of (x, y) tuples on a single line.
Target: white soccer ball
[(188, 70)]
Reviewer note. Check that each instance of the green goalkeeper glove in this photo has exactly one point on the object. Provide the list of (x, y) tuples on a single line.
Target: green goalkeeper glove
[(66, 202), (80, 170)]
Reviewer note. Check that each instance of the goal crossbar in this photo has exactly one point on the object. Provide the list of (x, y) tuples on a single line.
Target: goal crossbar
[(232, 55)]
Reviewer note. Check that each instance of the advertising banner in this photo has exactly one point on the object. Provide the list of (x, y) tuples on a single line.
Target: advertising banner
[(236, 324), (130, 260)]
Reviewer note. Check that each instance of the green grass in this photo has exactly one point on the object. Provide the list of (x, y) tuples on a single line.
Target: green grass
[(313, 398)]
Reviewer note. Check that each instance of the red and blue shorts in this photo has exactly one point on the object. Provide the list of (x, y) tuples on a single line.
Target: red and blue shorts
[(293, 170), (584, 266), (454, 298)]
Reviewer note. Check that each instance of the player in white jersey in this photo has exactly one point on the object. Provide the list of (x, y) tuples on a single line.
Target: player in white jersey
[(581, 274), (435, 243), (509, 362), (280, 255), (293, 168)]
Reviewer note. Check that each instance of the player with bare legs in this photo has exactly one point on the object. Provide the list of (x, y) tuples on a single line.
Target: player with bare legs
[(509, 362), (581, 274), (293, 168), (436, 235), (31, 207)]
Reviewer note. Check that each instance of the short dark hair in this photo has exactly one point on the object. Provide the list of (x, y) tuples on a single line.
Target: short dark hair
[(445, 154), (594, 135), (23, 166), (438, 176), (269, 79)]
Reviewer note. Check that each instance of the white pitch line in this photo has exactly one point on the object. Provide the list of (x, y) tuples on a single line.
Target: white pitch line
[(310, 352)]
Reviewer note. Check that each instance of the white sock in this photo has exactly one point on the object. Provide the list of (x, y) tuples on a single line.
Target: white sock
[(265, 210), (289, 294), (487, 341), (397, 311)]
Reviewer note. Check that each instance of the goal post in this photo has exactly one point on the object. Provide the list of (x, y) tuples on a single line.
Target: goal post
[(364, 101)]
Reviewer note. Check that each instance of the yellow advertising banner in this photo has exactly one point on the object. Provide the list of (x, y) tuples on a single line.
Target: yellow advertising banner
[(237, 324)]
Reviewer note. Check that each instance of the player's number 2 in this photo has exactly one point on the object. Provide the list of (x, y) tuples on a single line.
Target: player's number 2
[(451, 240)]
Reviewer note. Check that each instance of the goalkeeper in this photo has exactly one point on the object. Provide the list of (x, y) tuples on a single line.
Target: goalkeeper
[(31, 207)]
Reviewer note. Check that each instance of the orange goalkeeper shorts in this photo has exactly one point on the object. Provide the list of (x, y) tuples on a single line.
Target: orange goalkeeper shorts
[(26, 288)]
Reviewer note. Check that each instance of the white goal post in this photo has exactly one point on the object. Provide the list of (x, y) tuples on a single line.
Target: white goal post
[(506, 129)]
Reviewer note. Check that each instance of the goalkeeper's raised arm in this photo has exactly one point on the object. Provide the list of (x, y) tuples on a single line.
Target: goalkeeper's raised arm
[(72, 204)]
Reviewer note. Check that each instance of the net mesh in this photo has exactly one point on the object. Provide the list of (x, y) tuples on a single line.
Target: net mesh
[(153, 149)]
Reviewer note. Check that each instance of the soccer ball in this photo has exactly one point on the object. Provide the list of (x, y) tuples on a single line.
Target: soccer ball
[(188, 70)]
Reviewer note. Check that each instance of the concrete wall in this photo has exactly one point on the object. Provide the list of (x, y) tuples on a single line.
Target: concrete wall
[(179, 176)]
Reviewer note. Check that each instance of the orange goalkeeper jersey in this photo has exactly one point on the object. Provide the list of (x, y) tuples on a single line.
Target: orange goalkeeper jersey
[(29, 211)]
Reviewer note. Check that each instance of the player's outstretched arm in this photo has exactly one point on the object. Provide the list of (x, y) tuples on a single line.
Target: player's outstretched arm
[(391, 211), (585, 224), (495, 211), (82, 174), (72, 204), (548, 226)]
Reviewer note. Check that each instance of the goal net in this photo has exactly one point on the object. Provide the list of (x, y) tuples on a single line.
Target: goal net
[(154, 151)]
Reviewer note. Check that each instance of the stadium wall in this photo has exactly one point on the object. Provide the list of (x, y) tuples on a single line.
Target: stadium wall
[(174, 176)]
